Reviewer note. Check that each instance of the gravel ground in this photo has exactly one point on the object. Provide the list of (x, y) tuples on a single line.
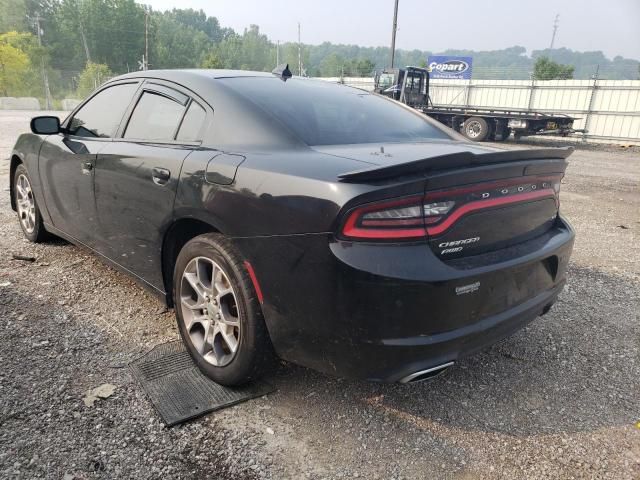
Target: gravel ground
[(559, 399)]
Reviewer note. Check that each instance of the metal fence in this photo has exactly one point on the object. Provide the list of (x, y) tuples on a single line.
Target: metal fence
[(608, 109)]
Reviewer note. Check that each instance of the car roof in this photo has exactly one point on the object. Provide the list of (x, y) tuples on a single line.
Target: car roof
[(194, 74), (232, 108)]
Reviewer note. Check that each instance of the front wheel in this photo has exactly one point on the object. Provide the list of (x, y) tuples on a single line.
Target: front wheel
[(28, 211), (218, 313)]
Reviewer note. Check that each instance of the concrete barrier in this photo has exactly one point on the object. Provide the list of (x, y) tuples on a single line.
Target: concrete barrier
[(70, 103), (20, 103)]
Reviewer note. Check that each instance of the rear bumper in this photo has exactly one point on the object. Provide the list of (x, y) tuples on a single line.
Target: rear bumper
[(404, 356), (382, 312)]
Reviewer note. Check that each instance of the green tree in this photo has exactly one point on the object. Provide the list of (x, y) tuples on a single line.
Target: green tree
[(176, 45), (14, 63), (363, 68), (13, 15), (212, 60), (94, 75), (199, 21), (332, 65), (547, 69)]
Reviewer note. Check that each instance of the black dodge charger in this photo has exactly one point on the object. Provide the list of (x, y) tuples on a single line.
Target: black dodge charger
[(332, 227)]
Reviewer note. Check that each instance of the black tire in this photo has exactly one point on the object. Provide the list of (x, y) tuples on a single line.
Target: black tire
[(476, 129), (31, 225), (254, 354)]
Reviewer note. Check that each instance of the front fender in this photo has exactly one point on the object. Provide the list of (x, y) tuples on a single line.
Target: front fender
[(26, 152)]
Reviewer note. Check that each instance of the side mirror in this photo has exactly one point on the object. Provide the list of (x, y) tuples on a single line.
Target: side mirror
[(45, 125)]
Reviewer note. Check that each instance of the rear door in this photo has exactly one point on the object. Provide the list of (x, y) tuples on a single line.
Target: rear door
[(67, 160), (137, 175)]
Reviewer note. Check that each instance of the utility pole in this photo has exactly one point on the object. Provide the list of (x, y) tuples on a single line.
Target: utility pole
[(146, 40), (84, 41), (555, 30), (277, 53), (299, 52), (45, 77), (393, 33)]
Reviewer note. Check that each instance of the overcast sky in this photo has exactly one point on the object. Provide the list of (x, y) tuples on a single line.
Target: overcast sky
[(612, 26)]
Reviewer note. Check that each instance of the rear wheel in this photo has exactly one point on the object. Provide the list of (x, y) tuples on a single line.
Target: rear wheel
[(218, 313), (476, 129), (28, 211)]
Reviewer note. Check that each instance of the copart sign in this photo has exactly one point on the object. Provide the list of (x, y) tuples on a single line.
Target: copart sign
[(444, 66)]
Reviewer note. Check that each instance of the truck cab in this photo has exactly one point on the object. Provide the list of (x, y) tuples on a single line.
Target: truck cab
[(409, 85)]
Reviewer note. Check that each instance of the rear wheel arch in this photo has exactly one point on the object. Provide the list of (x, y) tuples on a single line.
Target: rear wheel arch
[(176, 236)]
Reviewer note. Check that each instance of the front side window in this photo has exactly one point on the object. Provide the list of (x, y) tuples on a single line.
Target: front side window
[(155, 117), (102, 114)]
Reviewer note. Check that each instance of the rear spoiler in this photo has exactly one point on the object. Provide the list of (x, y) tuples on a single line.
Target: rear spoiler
[(454, 160)]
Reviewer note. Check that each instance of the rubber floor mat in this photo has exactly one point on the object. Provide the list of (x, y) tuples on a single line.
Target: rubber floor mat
[(179, 391)]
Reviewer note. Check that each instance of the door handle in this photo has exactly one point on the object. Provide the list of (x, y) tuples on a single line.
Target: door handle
[(160, 176), (87, 167)]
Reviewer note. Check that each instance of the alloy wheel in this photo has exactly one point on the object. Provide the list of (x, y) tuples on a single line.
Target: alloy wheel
[(210, 312), (26, 203)]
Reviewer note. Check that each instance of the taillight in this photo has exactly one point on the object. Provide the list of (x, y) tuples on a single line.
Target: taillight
[(395, 219), (437, 211)]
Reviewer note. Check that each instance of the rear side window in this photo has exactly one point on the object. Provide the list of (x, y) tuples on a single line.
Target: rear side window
[(192, 123), (155, 117), (101, 116)]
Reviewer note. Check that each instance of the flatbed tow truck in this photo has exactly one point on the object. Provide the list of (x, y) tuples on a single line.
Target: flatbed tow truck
[(411, 87)]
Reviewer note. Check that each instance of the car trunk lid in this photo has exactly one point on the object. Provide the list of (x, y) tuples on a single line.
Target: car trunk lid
[(474, 201)]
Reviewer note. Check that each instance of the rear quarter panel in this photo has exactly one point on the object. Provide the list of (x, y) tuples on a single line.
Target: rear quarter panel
[(281, 193)]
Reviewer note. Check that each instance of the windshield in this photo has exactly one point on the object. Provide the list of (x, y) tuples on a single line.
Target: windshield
[(386, 80), (323, 113)]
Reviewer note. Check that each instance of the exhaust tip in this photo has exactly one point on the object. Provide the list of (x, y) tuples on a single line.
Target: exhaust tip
[(428, 374)]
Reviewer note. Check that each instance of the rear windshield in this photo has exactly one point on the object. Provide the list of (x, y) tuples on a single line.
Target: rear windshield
[(323, 113)]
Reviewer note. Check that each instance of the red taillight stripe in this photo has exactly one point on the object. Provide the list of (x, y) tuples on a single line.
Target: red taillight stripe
[(254, 280), (388, 234), (358, 227), (482, 204), (406, 222)]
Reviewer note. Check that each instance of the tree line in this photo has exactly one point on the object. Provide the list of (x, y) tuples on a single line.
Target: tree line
[(84, 42)]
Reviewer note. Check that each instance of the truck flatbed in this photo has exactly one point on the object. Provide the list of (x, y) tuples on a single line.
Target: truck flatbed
[(411, 87)]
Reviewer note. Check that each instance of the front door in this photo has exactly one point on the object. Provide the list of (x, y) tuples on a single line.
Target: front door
[(136, 178), (67, 161), (415, 94)]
